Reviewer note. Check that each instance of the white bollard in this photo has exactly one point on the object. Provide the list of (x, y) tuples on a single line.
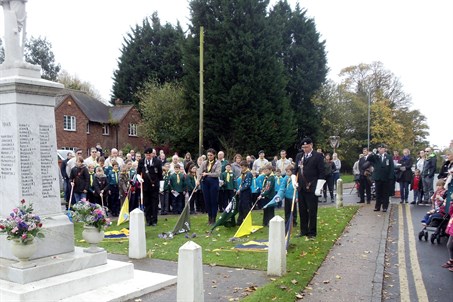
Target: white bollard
[(339, 197), (137, 237), (190, 273), (276, 256)]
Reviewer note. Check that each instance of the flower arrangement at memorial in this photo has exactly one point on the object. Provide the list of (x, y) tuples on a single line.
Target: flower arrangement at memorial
[(91, 214), (22, 225)]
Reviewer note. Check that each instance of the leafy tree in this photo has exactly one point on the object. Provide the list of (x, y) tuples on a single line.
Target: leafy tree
[(246, 106), (150, 52), (73, 82), (305, 60), (38, 51), (343, 109), (164, 117), (372, 79)]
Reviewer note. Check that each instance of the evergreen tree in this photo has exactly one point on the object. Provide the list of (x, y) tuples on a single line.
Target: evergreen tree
[(305, 61), (150, 52), (246, 107), (38, 51)]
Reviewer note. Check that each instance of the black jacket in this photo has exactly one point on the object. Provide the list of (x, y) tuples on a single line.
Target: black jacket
[(151, 174), (313, 169), (81, 179)]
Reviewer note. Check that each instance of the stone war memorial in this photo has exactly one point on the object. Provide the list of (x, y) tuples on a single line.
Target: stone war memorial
[(29, 170)]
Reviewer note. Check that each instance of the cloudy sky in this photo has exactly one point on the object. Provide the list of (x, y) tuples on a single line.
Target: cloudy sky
[(412, 38)]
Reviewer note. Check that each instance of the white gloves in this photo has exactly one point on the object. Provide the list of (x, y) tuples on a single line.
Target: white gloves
[(319, 186), (294, 181)]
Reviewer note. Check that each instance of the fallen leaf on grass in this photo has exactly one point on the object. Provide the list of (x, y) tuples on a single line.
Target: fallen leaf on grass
[(299, 296), (212, 264), (303, 254), (294, 281), (297, 273), (272, 279), (282, 287), (251, 288)]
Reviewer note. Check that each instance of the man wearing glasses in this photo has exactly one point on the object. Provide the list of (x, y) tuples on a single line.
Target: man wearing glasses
[(429, 169), (92, 159)]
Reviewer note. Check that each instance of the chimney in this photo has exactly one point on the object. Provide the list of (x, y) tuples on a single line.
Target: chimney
[(118, 102)]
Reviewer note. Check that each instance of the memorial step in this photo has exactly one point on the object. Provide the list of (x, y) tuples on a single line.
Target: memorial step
[(67, 285)]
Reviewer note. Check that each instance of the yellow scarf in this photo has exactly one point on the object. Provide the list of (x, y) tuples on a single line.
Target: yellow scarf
[(210, 164)]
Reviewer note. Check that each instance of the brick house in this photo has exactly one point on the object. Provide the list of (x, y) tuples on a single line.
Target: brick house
[(83, 121)]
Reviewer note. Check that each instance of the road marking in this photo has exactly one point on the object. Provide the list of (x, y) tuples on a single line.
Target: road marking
[(404, 286), (415, 265)]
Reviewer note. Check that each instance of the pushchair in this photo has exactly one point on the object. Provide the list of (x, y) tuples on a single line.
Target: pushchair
[(438, 227)]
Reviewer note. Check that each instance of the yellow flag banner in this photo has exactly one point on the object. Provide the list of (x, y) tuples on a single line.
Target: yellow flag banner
[(246, 227), (124, 213)]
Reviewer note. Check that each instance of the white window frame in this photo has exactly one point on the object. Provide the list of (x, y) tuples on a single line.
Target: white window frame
[(88, 127), (132, 129), (69, 123), (105, 129)]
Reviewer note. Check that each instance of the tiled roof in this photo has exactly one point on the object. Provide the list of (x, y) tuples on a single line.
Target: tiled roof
[(95, 110)]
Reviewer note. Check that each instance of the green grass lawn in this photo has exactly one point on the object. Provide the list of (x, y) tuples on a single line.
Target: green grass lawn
[(347, 178), (303, 258)]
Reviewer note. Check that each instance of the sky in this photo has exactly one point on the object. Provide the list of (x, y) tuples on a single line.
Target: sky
[(412, 38)]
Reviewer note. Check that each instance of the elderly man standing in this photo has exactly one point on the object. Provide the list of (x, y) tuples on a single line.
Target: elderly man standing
[(114, 157), (308, 170), (383, 175), (150, 169)]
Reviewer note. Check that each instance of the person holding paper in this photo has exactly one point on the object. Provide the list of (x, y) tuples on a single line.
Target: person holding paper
[(308, 170)]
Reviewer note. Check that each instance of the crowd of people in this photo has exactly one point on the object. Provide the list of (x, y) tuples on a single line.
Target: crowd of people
[(381, 170), (210, 182)]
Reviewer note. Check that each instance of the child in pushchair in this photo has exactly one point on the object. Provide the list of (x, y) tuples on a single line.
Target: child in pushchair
[(437, 218)]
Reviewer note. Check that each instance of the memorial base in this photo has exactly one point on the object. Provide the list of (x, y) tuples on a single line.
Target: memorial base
[(78, 276)]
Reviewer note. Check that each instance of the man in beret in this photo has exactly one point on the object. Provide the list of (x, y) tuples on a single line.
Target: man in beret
[(383, 176), (150, 169), (308, 170)]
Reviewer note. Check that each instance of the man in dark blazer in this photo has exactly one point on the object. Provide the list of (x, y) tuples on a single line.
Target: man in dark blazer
[(383, 175), (364, 178), (150, 169), (308, 170)]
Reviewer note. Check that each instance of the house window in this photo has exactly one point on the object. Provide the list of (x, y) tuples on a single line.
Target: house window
[(88, 128), (132, 129), (105, 129), (69, 123)]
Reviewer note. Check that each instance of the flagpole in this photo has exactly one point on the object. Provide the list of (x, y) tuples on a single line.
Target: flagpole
[(200, 135)]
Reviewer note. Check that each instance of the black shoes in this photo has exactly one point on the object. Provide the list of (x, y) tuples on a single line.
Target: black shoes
[(376, 210), (384, 210), (361, 201)]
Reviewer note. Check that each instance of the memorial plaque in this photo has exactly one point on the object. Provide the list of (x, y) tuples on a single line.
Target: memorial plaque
[(28, 160)]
